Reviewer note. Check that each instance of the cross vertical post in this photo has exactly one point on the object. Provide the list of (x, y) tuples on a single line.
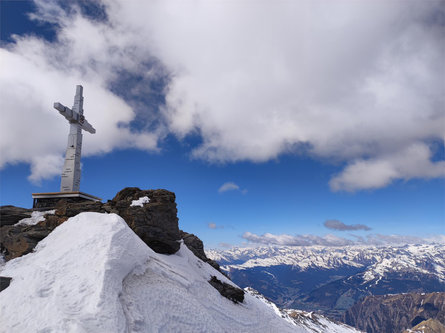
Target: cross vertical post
[(70, 181)]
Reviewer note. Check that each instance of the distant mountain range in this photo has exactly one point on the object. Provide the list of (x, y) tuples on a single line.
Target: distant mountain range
[(332, 279)]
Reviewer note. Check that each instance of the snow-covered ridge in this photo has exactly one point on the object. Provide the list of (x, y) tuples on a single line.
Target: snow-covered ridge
[(426, 258), (93, 274)]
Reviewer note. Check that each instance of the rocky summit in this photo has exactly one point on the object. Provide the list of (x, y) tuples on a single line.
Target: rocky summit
[(151, 214), (154, 221)]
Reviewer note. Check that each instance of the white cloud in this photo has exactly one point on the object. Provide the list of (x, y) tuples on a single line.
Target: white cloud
[(332, 240), (356, 82), (229, 186), (412, 162), (297, 240), (44, 167)]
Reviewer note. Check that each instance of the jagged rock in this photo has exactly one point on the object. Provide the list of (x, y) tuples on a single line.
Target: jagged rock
[(395, 313), (197, 247), (236, 295), (16, 241), (10, 215), (127, 194), (156, 222), (4, 282)]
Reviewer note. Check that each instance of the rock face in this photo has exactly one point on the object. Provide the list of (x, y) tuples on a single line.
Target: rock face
[(197, 247), (10, 215), (16, 241), (395, 313), (155, 222)]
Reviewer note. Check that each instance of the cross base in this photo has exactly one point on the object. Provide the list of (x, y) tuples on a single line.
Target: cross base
[(47, 201)]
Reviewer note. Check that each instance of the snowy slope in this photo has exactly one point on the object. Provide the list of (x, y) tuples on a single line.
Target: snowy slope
[(93, 274)]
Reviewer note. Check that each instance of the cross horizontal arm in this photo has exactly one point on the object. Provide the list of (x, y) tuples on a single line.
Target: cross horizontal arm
[(66, 112), (73, 117)]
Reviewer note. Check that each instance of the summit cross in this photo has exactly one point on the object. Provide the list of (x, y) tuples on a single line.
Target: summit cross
[(70, 181)]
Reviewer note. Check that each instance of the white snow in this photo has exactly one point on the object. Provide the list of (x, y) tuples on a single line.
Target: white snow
[(317, 323), (93, 274), (35, 218), (140, 202)]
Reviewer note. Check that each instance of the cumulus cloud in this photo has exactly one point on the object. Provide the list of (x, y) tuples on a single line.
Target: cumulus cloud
[(338, 225), (332, 240), (229, 186), (44, 167), (412, 162), (356, 83)]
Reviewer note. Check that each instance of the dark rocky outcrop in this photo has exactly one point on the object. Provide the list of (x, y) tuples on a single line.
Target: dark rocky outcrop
[(395, 313), (197, 247), (232, 293), (155, 222), (10, 215), (4, 282), (19, 240)]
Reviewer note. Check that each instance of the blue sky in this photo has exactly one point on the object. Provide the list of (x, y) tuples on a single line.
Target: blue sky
[(307, 121)]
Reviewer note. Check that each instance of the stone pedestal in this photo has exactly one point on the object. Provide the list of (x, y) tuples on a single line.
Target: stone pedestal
[(47, 201)]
